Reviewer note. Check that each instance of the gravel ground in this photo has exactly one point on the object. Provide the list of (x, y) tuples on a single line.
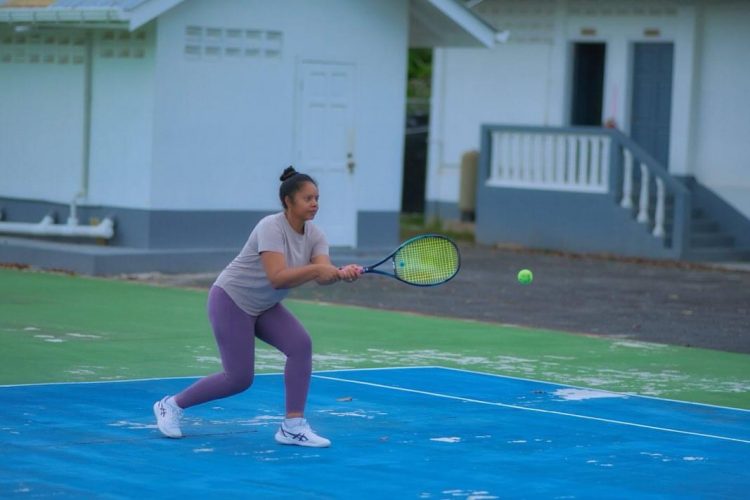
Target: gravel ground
[(663, 302)]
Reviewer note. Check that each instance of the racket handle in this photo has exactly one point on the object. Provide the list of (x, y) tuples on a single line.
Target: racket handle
[(362, 269)]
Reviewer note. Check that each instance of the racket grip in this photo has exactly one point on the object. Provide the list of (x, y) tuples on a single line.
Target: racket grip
[(362, 269)]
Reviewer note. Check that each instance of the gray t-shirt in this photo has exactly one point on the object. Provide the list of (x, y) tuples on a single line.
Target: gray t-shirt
[(245, 280)]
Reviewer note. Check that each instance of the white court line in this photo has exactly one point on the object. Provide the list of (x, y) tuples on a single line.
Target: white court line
[(537, 410), (387, 368), (536, 381), (189, 377), (627, 394)]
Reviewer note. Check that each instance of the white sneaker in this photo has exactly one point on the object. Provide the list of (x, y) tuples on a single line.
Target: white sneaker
[(300, 434), (168, 417)]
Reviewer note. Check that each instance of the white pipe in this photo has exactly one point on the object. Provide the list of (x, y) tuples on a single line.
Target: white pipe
[(47, 227)]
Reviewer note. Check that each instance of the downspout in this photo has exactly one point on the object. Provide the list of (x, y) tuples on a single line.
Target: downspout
[(86, 144)]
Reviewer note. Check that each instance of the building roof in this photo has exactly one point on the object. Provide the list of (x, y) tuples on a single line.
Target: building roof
[(77, 4), (130, 14), (432, 23)]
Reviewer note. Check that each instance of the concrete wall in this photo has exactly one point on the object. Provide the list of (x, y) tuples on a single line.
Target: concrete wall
[(721, 125), (41, 114), (122, 112)]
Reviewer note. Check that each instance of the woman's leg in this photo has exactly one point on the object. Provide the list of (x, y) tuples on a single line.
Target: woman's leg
[(234, 332), (281, 329)]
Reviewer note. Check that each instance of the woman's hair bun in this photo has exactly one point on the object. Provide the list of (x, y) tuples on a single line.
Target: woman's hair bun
[(288, 172)]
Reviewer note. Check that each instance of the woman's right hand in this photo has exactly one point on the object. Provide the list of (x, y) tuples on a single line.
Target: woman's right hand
[(327, 274)]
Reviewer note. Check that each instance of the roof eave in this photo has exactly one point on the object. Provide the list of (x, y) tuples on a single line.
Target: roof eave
[(447, 23), (149, 11)]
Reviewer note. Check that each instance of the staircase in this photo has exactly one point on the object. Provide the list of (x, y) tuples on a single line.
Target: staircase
[(709, 241), (668, 217)]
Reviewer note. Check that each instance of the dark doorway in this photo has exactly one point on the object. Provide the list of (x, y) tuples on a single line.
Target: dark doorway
[(651, 104), (588, 84), (415, 164)]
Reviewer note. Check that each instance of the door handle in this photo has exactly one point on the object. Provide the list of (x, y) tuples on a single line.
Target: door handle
[(350, 164)]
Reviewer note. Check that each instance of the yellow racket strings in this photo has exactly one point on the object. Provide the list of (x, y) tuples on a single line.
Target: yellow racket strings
[(427, 261)]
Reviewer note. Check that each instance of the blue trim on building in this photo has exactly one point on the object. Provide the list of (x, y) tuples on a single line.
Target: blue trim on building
[(149, 229), (731, 220), (576, 222), (441, 210), (378, 229), (168, 241)]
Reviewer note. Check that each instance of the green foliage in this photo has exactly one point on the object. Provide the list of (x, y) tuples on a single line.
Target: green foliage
[(420, 73)]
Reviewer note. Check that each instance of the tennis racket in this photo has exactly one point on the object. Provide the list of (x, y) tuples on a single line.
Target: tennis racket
[(425, 260)]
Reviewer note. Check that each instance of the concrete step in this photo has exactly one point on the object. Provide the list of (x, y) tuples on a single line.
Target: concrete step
[(718, 254), (704, 224), (711, 239)]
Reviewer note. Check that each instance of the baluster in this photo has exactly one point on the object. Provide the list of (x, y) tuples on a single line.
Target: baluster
[(596, 161), (530, 157), (521, 165), (583, 159), (643, 200), (570, 165), (496, 166), (604, 179), (531, 149), (510, 165), (546, 157), (502, 156), (560, 159), (508, 156), (660, 202), (627, 180), (551, 158)]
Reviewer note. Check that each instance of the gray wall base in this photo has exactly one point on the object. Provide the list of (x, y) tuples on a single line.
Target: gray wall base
[(149, 229), (729, 218), (378, 229), (576, 222), (157, 240), (103, 261), (441, 210)]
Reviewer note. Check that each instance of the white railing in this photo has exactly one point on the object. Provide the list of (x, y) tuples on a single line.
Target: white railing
[(644, 194), (589, 160), (556, 161)]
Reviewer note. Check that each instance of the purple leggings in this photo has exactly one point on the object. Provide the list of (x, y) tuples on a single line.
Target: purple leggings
[(235, 333)]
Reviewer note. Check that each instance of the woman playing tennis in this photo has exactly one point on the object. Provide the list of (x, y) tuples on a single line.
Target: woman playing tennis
[(284, 250)]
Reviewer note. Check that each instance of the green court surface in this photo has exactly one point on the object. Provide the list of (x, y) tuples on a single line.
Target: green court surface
[(56, 328)]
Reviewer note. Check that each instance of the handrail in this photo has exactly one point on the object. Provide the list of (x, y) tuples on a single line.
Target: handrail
[(653, 165)]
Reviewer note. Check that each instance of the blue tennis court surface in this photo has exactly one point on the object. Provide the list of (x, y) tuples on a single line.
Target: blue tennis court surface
[(399, 433)]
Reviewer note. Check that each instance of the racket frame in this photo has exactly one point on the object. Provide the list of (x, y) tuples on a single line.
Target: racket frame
[(371, 268)]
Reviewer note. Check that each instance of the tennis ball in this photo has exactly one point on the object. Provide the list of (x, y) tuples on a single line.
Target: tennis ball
[(525, 276)]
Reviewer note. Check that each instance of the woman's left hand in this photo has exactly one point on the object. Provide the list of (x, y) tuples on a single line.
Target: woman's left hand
[(350, 273)]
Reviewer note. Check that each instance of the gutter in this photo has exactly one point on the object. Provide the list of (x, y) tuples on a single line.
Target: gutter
[(60, 15)]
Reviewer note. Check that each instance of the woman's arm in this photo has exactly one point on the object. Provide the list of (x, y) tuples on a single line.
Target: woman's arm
[(282, 276)]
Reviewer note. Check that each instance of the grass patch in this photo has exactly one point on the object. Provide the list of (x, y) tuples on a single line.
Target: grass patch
[(413, 224)]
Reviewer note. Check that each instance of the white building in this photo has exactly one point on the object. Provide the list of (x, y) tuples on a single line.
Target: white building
[(672, 75), (175, 118)]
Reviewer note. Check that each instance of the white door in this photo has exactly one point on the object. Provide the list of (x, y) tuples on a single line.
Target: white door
[(325, 145)]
